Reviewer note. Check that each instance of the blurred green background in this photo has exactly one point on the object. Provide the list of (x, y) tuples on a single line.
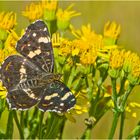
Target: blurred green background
[(127, 14)]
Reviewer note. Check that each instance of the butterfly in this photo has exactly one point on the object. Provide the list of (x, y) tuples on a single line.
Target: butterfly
[(29, 78)]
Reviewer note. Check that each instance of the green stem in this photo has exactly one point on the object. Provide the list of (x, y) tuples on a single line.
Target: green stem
[(87, 133), (116, 111), (61, 130), (9, 129), (51, 26), (71, 77), (48, 124), (122, 125), (26, 118), (93, 102), (55, 127), (22, 119), (121, 91), (114, 124), (18, 125), (114, 92), (40, 124), (130, 87), (135, 134), (33, 123)]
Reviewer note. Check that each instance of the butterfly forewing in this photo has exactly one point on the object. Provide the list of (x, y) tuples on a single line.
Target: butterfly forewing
[(36, 45)]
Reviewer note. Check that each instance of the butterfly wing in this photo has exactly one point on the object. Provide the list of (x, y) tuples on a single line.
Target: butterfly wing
[(21, 99), (57, 97), (36, 46), (17, 70)]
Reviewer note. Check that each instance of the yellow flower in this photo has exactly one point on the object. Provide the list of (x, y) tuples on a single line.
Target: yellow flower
[(56, 40), (49, 4), (3, 54), (116, 59), (82, 106), (87, 45), (50, 8), (131, 108), (7, 20), (128, 109), (135, 104), (132, 67), (75, 47), (64, 16), (3, 91), (116, 62), (134, 115), (131, 63), (65, 47), (88, 57), (9, 48), (33, 11), (112, 30), (11, 40)]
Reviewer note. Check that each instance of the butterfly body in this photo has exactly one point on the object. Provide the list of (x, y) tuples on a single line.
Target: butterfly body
[(29, 77)]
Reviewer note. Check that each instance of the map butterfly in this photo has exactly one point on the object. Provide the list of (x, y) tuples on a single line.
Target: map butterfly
[(29, 76)]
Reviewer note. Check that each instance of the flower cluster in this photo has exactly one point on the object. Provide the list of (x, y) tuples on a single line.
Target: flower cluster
[(7, 20), (126, 61)]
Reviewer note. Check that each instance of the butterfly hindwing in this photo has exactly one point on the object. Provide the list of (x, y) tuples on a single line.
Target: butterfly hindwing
[(20, 99), (35, 45), (57, 97)]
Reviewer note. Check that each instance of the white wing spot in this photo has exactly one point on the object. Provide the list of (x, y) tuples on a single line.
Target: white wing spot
[(73, 99), (22, 70), (34, 34), (30, 93), (62, 104), (31, 54), (45, 29), (44, 39), (38, 51), (51, 96), (66, 96)]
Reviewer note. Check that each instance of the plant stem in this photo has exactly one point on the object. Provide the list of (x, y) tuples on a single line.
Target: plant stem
[(71, 77), (18, 125), (135, 134), (116, 111), (122, 125), (22, 119), (87, 133), (130, 87), (121, 91), (114, 93), (61, 130), (114, 124), (41, 115), (9, 129), (55, 124)]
